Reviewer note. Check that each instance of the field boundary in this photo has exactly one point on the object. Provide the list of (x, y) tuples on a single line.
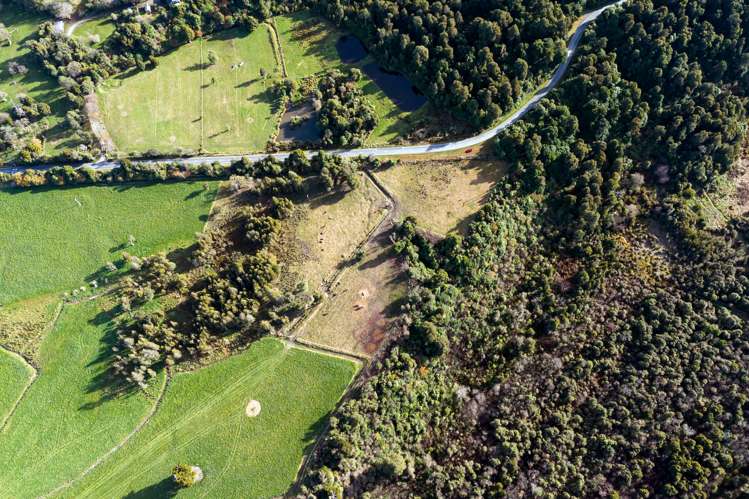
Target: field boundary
[(31, 364), (34, 376), (104, 457), (275, 42), (326, 350)]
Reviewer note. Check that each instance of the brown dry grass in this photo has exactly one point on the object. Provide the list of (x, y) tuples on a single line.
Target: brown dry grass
[(323, 232), (361, 304), (23, 325), (441, 195)]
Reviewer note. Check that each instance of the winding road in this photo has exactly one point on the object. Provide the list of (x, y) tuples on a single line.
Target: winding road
[(409, 150)]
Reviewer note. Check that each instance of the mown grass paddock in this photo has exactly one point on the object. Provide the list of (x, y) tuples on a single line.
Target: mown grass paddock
[(188, 104), (60, 237), (68, 418), (203, 421)]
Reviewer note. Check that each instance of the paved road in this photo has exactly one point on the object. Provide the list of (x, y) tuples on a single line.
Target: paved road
[(390, 150)]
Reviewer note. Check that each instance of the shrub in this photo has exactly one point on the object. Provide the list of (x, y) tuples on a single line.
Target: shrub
[(183, 475)]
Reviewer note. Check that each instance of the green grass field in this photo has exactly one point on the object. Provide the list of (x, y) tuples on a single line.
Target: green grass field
[(185, 103), (67, 419), (57, 237), (308, 44), (202, 422), (15, 375), (100, 27), (37, 83)]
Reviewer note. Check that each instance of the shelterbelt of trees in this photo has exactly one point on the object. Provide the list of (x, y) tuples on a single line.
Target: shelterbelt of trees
[(588, 336)]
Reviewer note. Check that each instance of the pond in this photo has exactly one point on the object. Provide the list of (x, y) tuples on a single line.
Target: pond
[(396, 87), (306, 131), (350, 49)]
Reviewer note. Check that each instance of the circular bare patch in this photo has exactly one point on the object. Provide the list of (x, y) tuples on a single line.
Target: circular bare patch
[(197, 473), (172, 139), (252, 409)]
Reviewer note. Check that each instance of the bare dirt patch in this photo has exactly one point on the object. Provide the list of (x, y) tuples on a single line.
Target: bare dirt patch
[(442, 194), (304, 132)]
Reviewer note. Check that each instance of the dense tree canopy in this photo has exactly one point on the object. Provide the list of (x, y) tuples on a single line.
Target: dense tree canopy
[(587, 337)]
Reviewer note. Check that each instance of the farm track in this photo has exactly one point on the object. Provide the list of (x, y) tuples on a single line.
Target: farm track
[(101, 459), (31, 365), (386, 151)]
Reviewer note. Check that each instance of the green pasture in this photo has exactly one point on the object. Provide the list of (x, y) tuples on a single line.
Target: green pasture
[(15, 375), (69, 417), (187, 103), (100, 27), (202, 422), (56, 238)]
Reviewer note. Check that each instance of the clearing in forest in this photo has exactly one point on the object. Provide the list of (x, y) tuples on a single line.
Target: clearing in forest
[(202, 420), (190, 103), (62, 236), (441, 195), (309, 46), (95, 30), (69, 416), (323, 233)]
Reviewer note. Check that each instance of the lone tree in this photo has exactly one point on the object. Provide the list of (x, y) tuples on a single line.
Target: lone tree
[(186, 476), (212, 57)]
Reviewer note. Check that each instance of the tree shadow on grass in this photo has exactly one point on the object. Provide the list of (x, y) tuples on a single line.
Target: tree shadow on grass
[(311, 436), (105, 383), (327, 199), (159, 490)]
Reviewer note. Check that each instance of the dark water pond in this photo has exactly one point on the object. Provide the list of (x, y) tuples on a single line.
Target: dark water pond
[(350, 49), (307, 131), (396, 87)]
